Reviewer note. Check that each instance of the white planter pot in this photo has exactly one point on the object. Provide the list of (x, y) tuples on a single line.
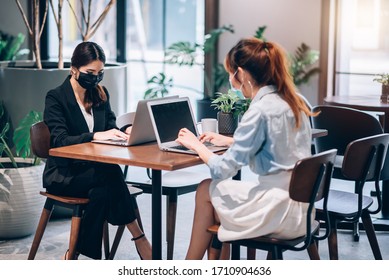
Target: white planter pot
[(19, 80), (20, 201)]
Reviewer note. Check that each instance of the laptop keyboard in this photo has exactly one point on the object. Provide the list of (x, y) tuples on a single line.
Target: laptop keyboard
[(180, 147)]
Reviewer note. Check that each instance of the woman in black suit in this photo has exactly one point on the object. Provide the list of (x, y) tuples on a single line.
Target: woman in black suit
[(78, 111)]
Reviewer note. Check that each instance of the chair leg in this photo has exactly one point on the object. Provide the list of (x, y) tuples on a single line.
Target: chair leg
[(74, 231), (277, 253), (44, 219), (235, 251), (356, 231), (251, 253), (313, 251), (370, 232), (116, 241), (171, 205), (333, 241)]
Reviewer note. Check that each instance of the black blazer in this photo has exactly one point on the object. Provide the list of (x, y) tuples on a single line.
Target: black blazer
[(67, 126)]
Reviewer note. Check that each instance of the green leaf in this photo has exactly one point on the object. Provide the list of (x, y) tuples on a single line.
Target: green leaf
[(21, 136), (225, 102), (221, 76), (302, 61), (212, 38), (182, 53), (159, 86), (259, 32)]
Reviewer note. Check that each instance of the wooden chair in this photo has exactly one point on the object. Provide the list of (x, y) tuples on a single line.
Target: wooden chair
[(309, 183), (344, 125), (175, 183), (363, 161), (40, 145)]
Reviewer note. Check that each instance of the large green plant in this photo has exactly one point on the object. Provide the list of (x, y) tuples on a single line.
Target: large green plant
[(302, 64), (10, 46), (21, 136)]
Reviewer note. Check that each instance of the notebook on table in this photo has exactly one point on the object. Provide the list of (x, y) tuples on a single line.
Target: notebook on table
[(168, 117), (142, 129)]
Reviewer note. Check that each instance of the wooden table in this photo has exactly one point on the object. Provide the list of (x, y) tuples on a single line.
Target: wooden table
[(369, 102), (147, 156)]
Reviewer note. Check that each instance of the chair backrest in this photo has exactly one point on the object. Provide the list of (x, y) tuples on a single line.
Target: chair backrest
[(311, 177), (125, 119), (40, 139), (310, 182), (363, 159), (344, 125)]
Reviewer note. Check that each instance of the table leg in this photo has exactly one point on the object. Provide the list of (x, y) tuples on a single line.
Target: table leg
[(156, 214), (385, 182)]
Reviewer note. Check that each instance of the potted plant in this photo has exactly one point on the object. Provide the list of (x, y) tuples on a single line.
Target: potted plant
[(10, 46), (38, 77), (20, 178), (230, 109), (383, 79), (301, 66)]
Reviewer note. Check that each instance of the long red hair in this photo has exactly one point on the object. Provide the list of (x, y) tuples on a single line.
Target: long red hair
[(267, 63)]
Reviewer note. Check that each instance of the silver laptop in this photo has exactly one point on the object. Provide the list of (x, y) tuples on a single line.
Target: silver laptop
[(142, 129), (168, 117)]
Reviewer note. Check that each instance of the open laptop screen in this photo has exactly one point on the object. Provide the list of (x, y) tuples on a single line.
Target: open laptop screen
[(170, 117)]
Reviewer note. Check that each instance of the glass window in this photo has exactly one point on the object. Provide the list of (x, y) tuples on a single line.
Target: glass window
[(362, 46), (105, 36), (152, 26)]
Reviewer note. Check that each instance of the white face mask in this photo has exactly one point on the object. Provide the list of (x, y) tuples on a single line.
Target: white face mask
[(238, 92)]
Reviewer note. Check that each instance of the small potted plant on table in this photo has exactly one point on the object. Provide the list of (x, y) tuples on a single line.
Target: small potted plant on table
[(384, 80), (230, 108)]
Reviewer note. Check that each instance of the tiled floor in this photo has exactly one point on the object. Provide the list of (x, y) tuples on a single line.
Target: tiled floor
[(54, 243)]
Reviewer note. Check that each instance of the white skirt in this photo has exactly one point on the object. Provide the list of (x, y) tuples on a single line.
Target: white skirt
[(252, 209)]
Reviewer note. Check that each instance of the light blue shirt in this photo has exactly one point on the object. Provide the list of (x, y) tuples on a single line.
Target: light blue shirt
[(266, 139)]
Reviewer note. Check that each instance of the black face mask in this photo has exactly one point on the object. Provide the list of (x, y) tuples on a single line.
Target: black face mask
[(89, 81)]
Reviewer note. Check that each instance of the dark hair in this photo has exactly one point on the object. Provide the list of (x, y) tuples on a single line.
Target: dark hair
[(267, 63), (83, 54)]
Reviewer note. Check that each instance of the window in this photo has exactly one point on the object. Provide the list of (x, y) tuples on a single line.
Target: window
[(71, 33), (152, 26), (362, 46)]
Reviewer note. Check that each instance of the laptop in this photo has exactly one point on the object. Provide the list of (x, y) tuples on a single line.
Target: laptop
[(142, 129), (168, 117)]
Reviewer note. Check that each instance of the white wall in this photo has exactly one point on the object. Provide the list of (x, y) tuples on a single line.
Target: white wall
[(289, 23)]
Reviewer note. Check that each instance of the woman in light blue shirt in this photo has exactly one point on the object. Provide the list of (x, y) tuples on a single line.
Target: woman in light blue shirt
[(272, 136)]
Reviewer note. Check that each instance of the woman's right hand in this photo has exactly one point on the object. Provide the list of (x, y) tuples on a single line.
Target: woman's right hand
[(110, 134), (216, 139)]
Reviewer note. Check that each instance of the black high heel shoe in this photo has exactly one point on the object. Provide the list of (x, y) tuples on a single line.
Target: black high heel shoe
[(136, 238)]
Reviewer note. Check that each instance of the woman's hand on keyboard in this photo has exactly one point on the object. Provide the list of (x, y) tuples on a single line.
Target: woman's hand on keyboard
[(216, 139)]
